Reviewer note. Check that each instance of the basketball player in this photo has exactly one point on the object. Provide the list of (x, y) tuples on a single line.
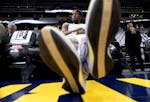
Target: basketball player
[(75, 31), (58, 52)]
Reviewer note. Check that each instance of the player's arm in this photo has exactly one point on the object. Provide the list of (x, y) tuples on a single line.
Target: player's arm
[(66, 31)]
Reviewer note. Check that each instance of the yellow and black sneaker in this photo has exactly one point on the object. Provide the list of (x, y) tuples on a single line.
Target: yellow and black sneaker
[(102, 25), (61, 56)]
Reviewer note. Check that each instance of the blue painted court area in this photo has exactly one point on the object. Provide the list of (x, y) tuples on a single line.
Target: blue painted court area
[(112, 88)]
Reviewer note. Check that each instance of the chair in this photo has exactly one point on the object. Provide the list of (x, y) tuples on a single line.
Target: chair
[(18, 52)]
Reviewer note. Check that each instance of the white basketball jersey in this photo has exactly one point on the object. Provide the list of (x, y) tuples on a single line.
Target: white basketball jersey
[(76, 26)]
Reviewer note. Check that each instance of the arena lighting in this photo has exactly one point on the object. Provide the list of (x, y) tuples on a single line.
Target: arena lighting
[(48, 21), (138, 20), (62, 10)]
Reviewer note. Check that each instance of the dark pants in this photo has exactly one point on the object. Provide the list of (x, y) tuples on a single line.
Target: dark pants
[(135, 52)]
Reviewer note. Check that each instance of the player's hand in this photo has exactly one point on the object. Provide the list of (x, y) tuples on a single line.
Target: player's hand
[(81, 31)]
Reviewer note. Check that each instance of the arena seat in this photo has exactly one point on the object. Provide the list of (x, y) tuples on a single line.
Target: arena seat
[(33, 51), (19, 52)]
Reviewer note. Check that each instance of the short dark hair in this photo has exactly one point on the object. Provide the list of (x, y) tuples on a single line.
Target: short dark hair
[(79, 11)]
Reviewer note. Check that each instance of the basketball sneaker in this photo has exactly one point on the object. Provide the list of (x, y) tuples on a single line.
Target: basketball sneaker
[(102, 25), (61, 56)]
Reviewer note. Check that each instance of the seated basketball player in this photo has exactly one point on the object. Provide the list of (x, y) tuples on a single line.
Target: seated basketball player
[(60, 55), (75, 31), (76, 27)]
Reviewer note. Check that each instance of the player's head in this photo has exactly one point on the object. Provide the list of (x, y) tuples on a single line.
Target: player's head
[(76, 16)]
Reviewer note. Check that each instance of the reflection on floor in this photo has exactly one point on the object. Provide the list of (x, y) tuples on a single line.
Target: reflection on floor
[(113, 88)]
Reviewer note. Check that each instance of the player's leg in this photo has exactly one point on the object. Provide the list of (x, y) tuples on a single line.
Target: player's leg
[(102, 25), (61, 56)]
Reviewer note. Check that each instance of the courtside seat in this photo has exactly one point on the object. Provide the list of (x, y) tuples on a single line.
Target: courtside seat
[(18, 54), (34, 51)]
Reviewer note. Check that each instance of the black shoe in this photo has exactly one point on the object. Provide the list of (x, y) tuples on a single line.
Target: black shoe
[(102, 24), (61, 56)]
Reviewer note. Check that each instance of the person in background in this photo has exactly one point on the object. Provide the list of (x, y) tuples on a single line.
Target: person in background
[(132, 42), (2, 46), (2, 31), (10, 29)]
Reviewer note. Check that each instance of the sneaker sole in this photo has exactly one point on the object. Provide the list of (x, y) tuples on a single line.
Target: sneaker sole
[(102, 25), (60, 56)]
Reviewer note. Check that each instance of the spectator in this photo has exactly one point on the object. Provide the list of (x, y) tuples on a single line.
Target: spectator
[(2, 46), (2, 31), (11, 28), (132, 42)]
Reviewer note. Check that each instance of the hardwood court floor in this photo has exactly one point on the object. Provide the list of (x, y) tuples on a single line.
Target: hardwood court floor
[(113, 88)]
